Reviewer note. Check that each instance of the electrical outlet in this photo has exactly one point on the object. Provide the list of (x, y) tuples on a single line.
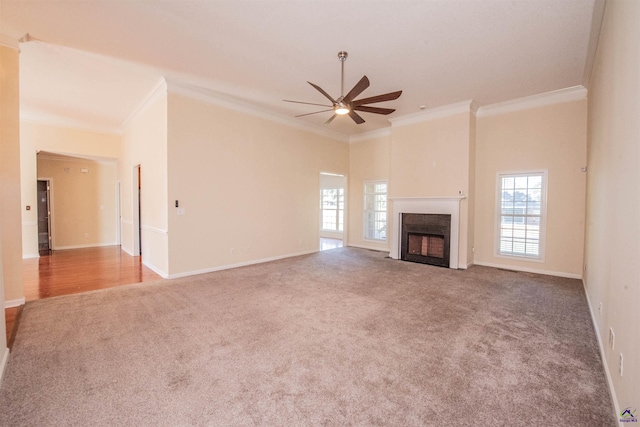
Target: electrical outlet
[(612, 338), (600, 309), (621, 363)]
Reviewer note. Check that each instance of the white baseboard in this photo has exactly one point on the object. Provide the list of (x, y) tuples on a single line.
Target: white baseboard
[(90, 245), (371, 248), (3, 363), (240, 264), (155, 269), (530, 270), (612, 390), (30, 256), (127, 250), (14, 302)]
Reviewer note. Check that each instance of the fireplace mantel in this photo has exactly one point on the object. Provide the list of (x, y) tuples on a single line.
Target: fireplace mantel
[(427, 205)]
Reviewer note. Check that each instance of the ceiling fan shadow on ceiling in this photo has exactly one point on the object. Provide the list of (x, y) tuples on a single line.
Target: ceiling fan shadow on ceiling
[(347, 104)]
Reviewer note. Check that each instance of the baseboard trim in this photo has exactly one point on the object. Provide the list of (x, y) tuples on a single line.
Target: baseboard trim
[(91, 245), (14, 302), (530, 270), (155, 269), (3, 364), (594, 322), (371, 248), (240, 264), (30, 256), (127, 251)]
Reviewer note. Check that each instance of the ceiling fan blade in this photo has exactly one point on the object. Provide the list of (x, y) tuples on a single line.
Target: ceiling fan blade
[(379, 98), (356, 118), (307, 103), (330, 119), (315, 112), (319, 89), (357, 90), (376, 110)]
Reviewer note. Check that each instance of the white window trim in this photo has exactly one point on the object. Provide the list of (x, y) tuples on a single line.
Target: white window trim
[(364, 211), (337, 210), (543, 216)]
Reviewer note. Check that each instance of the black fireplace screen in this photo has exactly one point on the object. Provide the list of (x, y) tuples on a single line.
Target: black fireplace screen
[(426, 238)]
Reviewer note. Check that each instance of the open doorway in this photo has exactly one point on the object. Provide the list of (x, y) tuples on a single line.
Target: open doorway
[(137, 210), (332, 210), (44, 217)]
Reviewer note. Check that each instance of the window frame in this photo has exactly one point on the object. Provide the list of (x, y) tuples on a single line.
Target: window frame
[(542, 231), (339, 224), (365, 211)]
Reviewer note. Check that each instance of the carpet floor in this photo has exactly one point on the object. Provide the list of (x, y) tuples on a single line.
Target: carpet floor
[(340, 337)]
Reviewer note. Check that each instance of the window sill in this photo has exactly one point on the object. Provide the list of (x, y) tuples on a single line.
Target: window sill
[(539, 259)]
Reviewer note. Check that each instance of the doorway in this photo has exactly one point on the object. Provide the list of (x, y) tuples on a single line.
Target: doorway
[(137, 209), (332, 210), (44, 217)]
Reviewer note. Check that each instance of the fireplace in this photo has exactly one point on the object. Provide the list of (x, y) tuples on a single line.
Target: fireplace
[(448, 205), (426, 238)]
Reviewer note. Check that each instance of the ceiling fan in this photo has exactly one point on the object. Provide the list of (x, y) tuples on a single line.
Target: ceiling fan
[(347, 104)]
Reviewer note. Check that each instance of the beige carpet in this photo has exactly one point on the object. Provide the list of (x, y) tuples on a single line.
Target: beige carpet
[(341, 337)]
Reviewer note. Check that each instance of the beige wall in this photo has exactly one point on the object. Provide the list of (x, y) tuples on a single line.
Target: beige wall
[(36, 137), (10, 236), (612, 250), (471, 192), (552, 138), (4, 350), (10, 176), (82, 204), (249, 187), (145, 144), (433, 159), (369, 160)]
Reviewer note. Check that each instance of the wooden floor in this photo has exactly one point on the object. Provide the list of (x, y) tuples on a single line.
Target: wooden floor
[(73, 271)]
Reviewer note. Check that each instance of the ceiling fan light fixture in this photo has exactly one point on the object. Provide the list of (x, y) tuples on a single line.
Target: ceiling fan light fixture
[(341, 110)]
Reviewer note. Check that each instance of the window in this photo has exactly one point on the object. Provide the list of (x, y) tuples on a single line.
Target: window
[(375, 210), (521, 214), (332, 206)]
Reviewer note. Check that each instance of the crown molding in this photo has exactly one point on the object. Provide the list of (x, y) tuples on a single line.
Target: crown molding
[(474, 106), (594, 38), (159, 89), (12, 41), (75, 158), (216, 98), (63, 122), (574, 93), (434, 113), (378, 133)]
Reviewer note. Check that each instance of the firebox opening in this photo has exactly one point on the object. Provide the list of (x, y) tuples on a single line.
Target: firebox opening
[(426, 238), (426, 245)]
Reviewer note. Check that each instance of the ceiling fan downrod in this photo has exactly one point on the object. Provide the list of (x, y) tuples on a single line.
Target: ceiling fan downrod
[(342, 56)]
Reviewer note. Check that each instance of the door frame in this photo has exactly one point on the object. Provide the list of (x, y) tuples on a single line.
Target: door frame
[(118, 214), (345, 216), (136, 209), (50, 212)]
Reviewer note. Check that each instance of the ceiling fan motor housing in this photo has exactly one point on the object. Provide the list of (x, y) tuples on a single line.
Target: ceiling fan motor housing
[(347, 104)]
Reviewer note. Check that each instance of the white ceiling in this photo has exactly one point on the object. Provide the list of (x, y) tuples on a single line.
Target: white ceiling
[(92, 63)]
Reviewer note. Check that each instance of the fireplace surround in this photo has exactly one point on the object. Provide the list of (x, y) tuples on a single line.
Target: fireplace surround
[(426, 205)]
